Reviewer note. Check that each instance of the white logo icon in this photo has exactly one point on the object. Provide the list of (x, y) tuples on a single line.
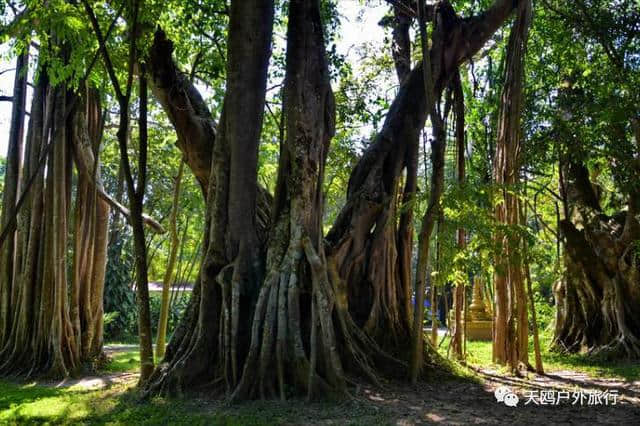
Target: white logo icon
[(506, 395)]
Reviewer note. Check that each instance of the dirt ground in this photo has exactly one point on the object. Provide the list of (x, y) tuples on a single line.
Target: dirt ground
[(449, 402), (456, 402)]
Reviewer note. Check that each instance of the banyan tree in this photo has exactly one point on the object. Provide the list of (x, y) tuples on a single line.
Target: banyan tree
[(278, 305), (54, 228), (52, 303), (598, 297)]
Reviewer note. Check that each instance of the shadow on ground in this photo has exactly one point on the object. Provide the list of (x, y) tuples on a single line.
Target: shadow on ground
[(444, 402)]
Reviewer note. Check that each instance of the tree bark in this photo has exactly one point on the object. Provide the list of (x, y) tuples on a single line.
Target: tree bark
[(232, 268), (510, 340), (600, 289), (361, 232), (136, 200), (460, 299), (235, 335), (52, 330), (91, 227), (10, 193)]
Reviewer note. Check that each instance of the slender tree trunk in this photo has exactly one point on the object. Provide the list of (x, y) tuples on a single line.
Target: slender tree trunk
[(135, 192), (10, 194), (438, 147), (460, 300), (168, 275), (534, 319), (136, 197)]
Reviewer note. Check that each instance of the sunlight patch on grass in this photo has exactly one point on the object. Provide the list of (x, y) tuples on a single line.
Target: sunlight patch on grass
[(479, 353), (123, 362), (31, 403)]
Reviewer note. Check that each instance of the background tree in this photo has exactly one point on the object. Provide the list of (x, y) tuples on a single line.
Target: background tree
[(510, 342)]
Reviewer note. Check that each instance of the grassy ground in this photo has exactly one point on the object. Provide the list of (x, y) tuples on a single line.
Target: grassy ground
[(22, 404), (479, 354), (123, 362), (31, 404), (119, 403), (452, 401)]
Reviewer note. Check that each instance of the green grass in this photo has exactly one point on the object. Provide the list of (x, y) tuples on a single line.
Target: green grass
[(24, 404), (31, 404), (124, 362), (479, 354), (119, 404)]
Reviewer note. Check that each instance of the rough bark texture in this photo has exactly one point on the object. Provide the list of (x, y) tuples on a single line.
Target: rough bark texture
[(510, 340), (56, 322), (10, 194), (401, 43), (364, 230), (294, 339), (91, 226), (215, 340), (597, 299), (249, 322), (183, 104)]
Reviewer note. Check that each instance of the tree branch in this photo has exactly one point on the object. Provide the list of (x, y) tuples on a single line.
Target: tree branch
[(148, 220)]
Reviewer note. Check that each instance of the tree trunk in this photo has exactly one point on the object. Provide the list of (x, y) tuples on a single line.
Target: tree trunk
[(438, 148), (10, 194), (364, 228), (597, 298), (168, 275), (527, 270), (460, 300), (299, 301), (91, 227), (232, 268), (136, 200), (510, 342), (52, 331)]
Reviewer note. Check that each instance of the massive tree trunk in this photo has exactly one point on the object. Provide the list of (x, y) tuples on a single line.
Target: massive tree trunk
[(510, 339), (213, 339), (294, 339), (42, 339), (364, 229), (598, 297), (252, 327), (56, 322)]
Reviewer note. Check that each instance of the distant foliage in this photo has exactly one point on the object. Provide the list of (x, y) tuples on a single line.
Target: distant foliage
[(119, 301), (175, 311)]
